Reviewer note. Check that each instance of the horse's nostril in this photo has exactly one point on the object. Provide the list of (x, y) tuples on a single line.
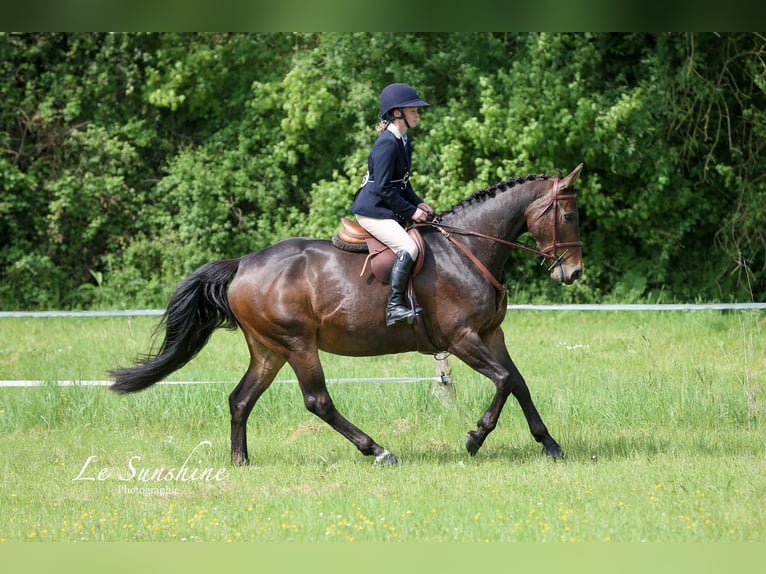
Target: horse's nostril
[(576, 274)]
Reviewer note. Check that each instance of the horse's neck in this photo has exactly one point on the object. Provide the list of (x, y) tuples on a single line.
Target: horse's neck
[(501, 216)]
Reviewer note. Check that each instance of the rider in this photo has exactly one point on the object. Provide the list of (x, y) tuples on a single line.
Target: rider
[(386, 201)]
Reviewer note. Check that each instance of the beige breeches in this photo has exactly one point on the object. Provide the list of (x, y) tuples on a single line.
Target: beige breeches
[(390, 233)]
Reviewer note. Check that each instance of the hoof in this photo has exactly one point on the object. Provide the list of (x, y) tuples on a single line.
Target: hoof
[(553, 451), (386, 459), (471, 444)]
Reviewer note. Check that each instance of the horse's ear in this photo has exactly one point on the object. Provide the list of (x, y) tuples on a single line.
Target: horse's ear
[(571, 178)]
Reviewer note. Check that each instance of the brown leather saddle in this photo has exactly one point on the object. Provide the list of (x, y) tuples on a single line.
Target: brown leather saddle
[(353, 237)]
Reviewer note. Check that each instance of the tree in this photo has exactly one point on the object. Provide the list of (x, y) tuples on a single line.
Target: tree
[(128, 159)]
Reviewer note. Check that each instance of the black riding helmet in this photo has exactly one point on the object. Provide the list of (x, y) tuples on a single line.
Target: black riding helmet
[(396, 96)]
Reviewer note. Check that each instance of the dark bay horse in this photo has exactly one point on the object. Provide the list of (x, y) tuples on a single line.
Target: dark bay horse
[(302, 295)]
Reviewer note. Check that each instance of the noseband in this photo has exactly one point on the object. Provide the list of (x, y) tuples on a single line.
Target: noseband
[(549, 254)]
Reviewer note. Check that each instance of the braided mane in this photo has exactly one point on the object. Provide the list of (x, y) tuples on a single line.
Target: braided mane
[(493, 190)]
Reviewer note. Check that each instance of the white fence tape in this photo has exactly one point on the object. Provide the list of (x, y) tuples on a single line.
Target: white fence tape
[(579, 307), (117, 313), (25, 383), (644, 307), (157, 312)]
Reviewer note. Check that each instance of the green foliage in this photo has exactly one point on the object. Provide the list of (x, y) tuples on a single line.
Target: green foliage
[(128, 159)]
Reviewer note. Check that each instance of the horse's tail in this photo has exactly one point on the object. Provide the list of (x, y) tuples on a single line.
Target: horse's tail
[(198, 307)]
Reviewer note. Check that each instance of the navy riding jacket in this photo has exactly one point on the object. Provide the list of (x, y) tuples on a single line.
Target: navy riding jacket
[(386, 192)]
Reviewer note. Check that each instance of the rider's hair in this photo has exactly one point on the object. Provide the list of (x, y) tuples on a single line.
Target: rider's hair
[(382, 126), (386, 119)]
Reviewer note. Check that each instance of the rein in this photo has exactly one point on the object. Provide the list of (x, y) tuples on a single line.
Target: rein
[(548, 254)]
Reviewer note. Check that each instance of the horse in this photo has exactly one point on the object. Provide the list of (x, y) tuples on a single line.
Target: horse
[(301, 295)]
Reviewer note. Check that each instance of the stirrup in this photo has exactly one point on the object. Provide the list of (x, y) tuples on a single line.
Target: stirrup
[(410, 317), (390, 322)]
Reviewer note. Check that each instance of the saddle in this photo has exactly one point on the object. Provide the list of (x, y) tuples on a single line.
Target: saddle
[(354, 238)]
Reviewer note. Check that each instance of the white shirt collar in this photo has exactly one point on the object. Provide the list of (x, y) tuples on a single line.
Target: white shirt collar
[(394, 130)]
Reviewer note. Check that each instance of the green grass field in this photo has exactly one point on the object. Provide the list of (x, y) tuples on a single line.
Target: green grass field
[(660, 414)]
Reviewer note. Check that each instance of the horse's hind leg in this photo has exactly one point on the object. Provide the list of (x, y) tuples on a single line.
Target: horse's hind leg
[(317, 400), (264, 366)]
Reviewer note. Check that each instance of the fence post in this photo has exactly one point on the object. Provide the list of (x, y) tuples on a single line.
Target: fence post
[(443, 386)]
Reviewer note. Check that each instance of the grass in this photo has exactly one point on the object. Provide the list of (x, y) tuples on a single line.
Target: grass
[(660, 415)]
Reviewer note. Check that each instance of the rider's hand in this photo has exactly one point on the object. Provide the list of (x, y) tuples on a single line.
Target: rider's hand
[(419, 215), (425, 207)]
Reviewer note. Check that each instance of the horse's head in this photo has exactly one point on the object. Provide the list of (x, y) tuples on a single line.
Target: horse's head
[(554, 223)]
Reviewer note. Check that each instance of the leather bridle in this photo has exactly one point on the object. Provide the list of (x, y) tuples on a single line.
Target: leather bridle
[(549, 254)]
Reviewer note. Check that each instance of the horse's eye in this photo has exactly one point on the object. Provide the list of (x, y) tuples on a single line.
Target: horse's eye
[(569, 217)]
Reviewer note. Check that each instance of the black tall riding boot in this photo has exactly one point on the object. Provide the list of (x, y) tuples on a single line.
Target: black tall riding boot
[(397, 309)]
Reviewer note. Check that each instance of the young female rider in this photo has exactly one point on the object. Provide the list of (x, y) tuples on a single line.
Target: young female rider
[(386, 201)]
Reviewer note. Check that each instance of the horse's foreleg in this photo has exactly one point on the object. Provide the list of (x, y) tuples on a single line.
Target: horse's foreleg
[(317, 400), (264, 366), (493, 361), (551, 448), (518, 387), (536, 425)]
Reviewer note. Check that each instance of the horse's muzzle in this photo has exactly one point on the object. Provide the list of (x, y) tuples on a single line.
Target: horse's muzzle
[(566, 273), (574, 276)]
